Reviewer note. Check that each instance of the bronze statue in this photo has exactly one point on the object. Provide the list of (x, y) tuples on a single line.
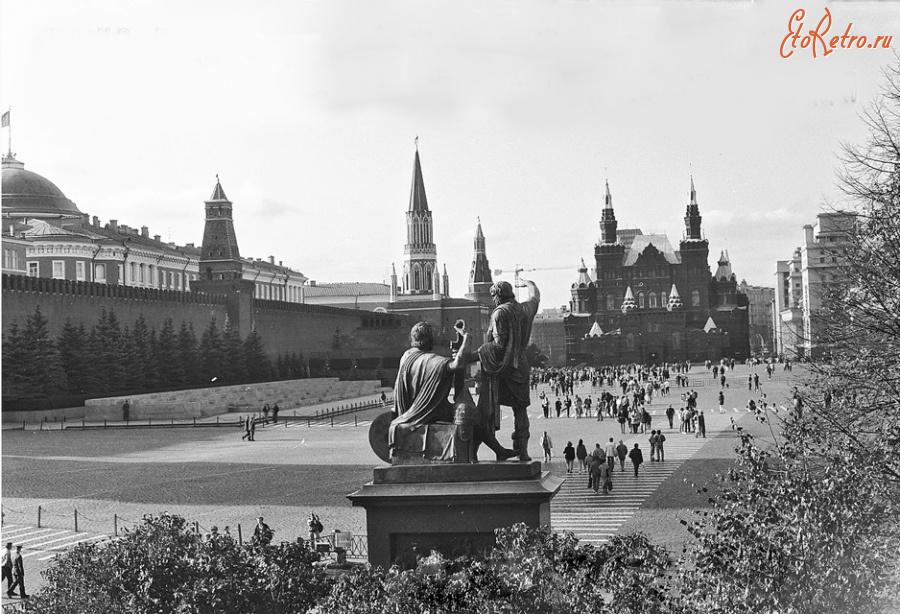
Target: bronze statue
[(504, 366)]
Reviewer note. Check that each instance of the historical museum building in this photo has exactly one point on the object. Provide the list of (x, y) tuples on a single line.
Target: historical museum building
[(651, 303)]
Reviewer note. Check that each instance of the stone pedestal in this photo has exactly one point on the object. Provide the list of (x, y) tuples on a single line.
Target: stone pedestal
[(454, 509)]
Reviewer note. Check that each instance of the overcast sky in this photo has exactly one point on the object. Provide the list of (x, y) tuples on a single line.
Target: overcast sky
[(308, 112)]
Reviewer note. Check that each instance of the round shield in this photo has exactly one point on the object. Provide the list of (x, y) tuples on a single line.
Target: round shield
[(378, 436)]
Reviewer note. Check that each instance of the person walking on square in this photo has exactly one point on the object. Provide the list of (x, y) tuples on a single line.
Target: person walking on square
[(569, 455), (568, 405), (265, 413), (248, 433), (701, 424), (722, 380), (275, 410), (721, 402), (637, 457), (652, 446), (670, 414), (18, 564), (314, 525), (545, 405), (7, 569), (756, 382), (660, 451), (611, 454), (581, 455), (126, 410), (547, 446), (594, 472), (558, 407), (603, 477), (750, 383), (622, 453)]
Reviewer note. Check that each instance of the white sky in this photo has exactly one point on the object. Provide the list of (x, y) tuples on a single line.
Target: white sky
[(308, 111)]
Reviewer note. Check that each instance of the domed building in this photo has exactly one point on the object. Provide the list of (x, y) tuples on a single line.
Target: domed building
[(27, 194), (46, 235)]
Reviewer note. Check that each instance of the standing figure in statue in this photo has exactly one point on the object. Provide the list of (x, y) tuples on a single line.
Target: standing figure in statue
[(505, 371)]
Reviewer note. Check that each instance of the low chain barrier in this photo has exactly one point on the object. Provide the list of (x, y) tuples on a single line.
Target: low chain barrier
[(352, 546)]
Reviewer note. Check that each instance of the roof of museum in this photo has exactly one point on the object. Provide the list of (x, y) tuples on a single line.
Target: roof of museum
[(660, 242)]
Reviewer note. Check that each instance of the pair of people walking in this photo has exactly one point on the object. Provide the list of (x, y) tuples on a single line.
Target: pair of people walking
[(14, 571)]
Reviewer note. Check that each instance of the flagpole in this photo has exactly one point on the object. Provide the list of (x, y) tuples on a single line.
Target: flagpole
[(9, 127)]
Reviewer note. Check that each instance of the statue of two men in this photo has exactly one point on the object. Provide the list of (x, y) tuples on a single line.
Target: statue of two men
[(425, 379)]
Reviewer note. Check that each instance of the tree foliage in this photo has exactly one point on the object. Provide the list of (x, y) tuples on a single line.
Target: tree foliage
[(162, 566)]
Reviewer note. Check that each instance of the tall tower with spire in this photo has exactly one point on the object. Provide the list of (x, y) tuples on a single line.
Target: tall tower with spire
[(420, 271), (694, 248), (480, 279), (609, 254)]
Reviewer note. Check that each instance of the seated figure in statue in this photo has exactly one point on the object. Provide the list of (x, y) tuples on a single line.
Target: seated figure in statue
[(422, 392)]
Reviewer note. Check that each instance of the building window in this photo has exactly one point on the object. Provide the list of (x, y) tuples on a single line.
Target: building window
[(59, 269), (641, 300), (695, 298), (653, 300), (33, 269), (121, 274), (178, 280), (663, 301), (100, 273), (79, 270), (610, 305)]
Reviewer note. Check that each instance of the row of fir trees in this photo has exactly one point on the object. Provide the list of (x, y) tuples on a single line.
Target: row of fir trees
[(111, 359)]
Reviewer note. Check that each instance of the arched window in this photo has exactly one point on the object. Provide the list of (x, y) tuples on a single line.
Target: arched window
[(610, 305), (641, 300), (428, 284), (695, 298), (652, 300), (417, 278), (100, 273), (663, 300)]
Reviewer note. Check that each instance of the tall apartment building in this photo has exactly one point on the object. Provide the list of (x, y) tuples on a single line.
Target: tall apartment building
[(801, 283)]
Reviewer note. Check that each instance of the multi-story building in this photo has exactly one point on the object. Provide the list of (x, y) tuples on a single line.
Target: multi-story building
[(46, 235), (651, 303), (548, 333), (803, 281), (760, 299)]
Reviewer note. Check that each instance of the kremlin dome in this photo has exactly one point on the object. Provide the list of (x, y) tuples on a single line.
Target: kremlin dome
[(27, 194)]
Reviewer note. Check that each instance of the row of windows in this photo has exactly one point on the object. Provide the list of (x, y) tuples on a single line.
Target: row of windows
[(413, 280), (651, 300), (137, 274)]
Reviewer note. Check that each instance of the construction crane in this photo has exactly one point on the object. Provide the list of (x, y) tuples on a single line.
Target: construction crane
[(520, 269)]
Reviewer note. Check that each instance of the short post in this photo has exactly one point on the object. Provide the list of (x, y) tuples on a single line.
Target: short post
[(195, 420), (355, 422), (82, 424), (76, 521), (308, 423), (104, 423), (115, 525), (332, 419), (39, 517), (217, 420), (23, 425), (240, 536)]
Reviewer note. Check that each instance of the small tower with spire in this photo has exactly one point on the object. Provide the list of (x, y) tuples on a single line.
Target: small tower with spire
[(692, 218), (480, 279), (446, 282), (420, 272), (694, 249), (221, 268), (608, 223), (220, 258)]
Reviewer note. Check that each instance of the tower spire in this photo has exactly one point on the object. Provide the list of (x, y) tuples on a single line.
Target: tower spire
[(608, 223), (692, 218), (420, 267), (480, 279)]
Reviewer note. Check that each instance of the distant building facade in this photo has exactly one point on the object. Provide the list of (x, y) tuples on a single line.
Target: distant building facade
[(802, 281), (548, 333), (650, 303), (46, 235), (761, 304)]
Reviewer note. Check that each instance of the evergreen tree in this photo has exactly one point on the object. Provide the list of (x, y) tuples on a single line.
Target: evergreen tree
[(14, 385), (233, 363), (41, 369), (258, 367), (188, 357), (73, 354), (106, 348), (210, 355), (167, 358)]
